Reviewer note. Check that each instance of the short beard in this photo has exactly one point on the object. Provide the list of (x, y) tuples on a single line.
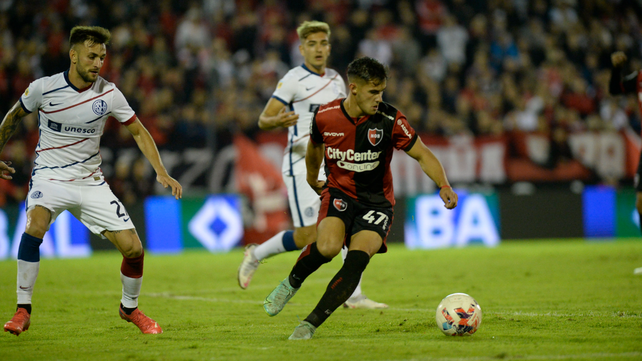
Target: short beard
[(85, 77)]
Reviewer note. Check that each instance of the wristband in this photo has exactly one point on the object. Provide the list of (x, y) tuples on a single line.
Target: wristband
[(446, 186)]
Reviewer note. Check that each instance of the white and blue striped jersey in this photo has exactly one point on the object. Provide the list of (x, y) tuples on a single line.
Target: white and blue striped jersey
[(303, 91), (71, 122)]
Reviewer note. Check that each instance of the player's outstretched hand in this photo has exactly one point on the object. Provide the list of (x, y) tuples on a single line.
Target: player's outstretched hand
[(618, 58), (167, 181), (6, 170), (449, 197), (287, 119)]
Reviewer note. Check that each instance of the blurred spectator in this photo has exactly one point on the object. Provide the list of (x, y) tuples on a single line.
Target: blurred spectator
[(452, 39), (197, 72)]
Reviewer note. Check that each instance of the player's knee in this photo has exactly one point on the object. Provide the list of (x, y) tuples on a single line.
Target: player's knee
[(329, 249), (37, 226), (133, 251), (304, 236)]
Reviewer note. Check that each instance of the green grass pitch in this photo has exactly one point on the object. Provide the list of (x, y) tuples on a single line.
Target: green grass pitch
[(542, 300)]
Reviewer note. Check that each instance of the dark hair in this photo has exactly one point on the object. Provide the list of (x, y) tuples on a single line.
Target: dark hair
[(95, 35), (368, 70)]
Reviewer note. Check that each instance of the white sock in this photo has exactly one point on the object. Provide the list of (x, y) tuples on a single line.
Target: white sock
[(357, 291), (270, 247), (131, 290), (27, 274)]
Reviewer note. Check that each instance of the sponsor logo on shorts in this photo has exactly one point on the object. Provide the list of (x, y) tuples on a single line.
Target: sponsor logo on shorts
[(340, 204), (375, 135), (36, 195), (99, 107), (309, 212)]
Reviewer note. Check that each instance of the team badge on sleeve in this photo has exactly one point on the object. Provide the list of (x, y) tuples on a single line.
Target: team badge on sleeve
[(375, 135), (340, 204)]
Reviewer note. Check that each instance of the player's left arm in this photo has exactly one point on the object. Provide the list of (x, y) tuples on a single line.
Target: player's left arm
[(433, 169), (313, 159), (147, 145)]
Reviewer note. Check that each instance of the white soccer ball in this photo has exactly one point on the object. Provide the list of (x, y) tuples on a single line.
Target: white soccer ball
[(458, 315)]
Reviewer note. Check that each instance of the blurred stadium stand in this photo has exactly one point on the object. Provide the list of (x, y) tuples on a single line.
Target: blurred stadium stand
[(504, 91)]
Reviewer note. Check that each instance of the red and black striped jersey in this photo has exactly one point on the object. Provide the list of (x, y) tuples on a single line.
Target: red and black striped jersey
[(358, 151)]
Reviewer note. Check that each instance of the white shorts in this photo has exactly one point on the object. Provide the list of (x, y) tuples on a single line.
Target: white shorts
[(304, 202), (91, 202)]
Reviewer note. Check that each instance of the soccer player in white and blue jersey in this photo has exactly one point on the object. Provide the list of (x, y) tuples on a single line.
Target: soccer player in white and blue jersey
[(297, 96), (72, 108)]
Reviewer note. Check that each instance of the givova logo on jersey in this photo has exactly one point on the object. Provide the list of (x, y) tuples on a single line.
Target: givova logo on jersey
[(375, 135)]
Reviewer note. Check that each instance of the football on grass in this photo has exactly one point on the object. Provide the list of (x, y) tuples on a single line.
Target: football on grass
[(458, 315)]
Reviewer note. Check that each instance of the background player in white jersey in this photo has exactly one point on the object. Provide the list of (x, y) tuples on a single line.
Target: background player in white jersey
[(297, 96), (72, 110)]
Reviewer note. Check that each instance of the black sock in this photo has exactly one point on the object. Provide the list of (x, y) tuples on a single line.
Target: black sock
[(306, 265), (341, 287), (26, 306), (128, 311)]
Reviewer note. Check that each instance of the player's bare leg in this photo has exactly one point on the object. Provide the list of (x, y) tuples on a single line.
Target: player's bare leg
[(131, 276), (38, 219)]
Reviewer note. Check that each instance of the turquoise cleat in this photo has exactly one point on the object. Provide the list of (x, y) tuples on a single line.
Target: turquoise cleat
[(304, 331), (277, 299)]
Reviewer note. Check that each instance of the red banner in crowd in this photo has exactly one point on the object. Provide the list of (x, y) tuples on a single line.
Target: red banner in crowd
[(261, 182)]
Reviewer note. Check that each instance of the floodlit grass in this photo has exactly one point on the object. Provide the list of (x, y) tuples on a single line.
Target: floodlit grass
[(542, 300)]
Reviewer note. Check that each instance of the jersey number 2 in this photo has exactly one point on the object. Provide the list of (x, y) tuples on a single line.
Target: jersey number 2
[(120, 215)]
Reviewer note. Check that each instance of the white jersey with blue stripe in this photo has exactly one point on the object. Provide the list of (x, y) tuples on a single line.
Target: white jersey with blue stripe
[(303, 91), (71, 122)]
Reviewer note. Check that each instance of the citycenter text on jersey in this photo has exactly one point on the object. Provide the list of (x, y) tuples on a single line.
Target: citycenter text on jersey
[(351, 156)]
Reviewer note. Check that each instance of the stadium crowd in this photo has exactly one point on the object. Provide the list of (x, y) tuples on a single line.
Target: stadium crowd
[(196, 72)]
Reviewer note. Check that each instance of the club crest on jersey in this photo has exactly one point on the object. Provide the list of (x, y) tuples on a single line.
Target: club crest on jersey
[(375, 135), (99, 107), (340, 204), (36, 195)]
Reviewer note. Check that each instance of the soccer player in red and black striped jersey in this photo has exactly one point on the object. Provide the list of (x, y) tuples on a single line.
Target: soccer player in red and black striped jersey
[(629, 84), (356, 136)]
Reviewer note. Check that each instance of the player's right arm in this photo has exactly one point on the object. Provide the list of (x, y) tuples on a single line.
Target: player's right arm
[(10, 123), (274, 116), (617, 84)]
